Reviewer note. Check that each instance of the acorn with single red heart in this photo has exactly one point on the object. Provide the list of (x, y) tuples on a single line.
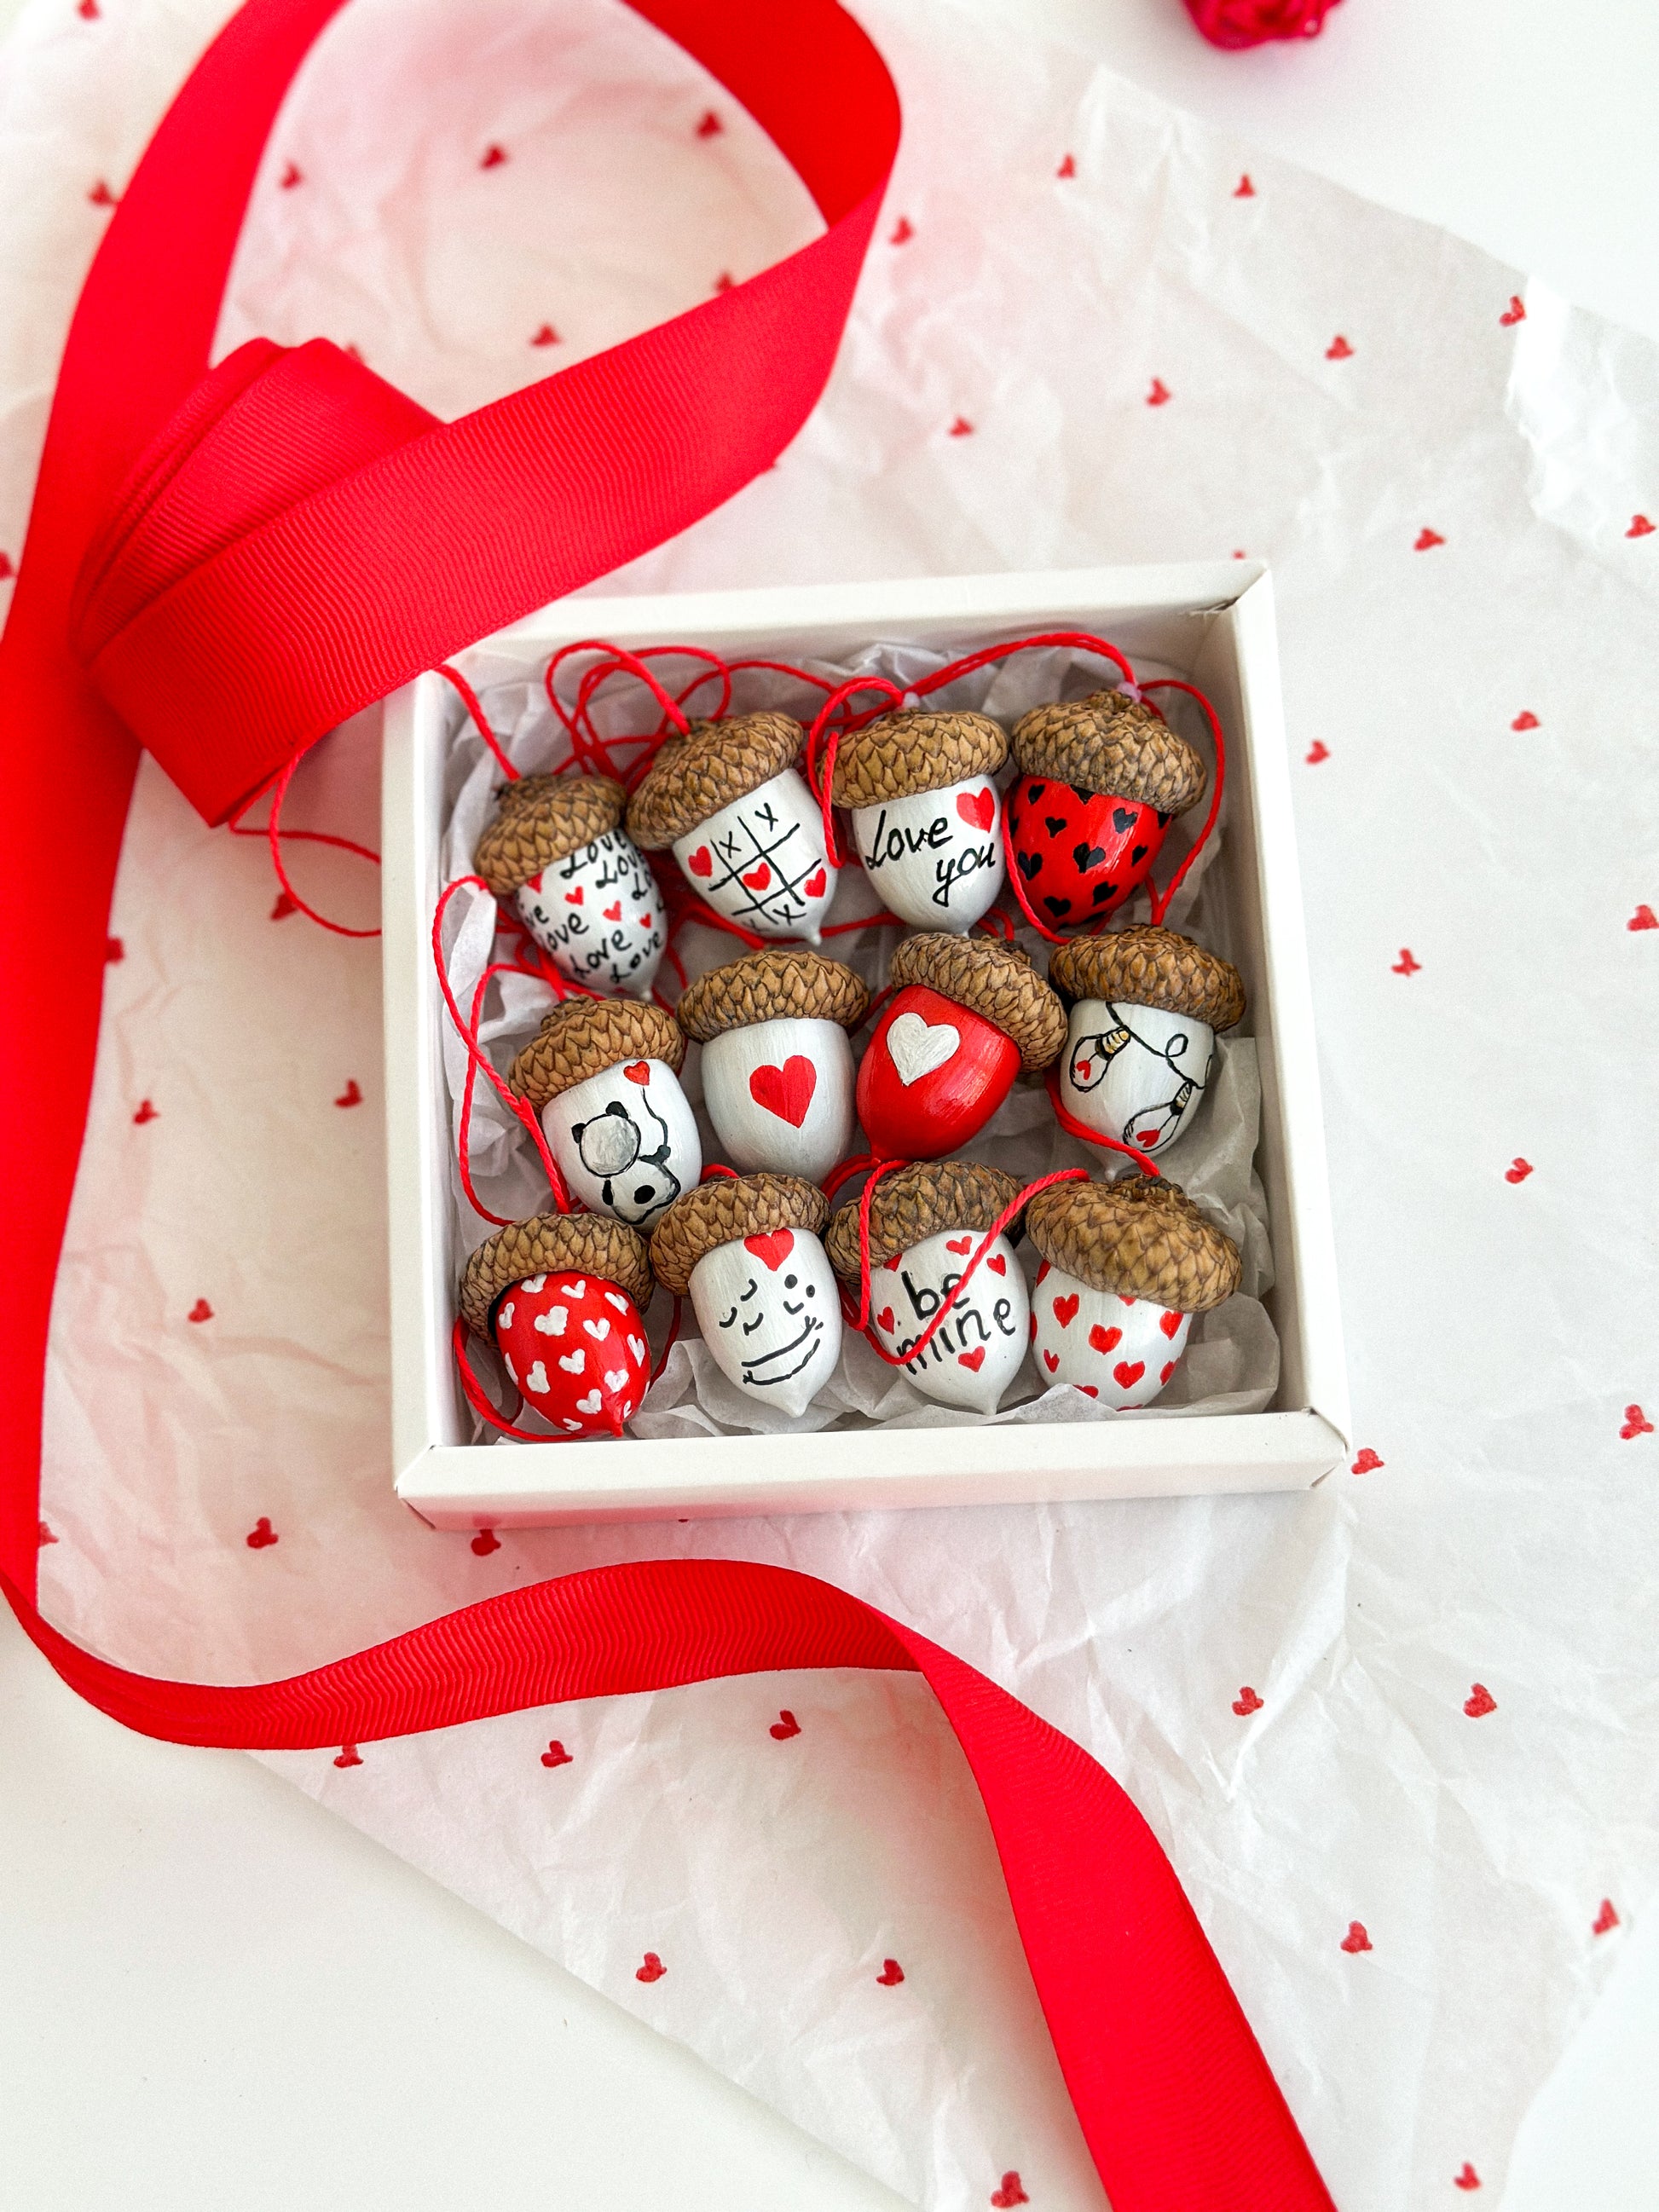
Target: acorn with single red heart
[(926, 1223), (747, 832), (561, 1297), (746, 1249), (967, 1015), (777, 1068), (926, 819), (1145, 1005), (556, 849), (1125, 1267), (1099, 781), (604, 1075)]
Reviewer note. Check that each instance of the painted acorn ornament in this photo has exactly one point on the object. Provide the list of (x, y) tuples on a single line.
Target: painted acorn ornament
[(1125, 1266), (561, 1297), (744, 829), (1145, 1006), (1099, 781), (747, 1249), (777, 1068), (925, 1224), (926, 819), (604, 1075), (967, 1014), (556, 849)]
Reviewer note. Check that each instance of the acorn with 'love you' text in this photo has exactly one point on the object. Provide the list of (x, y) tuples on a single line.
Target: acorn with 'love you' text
[(561, 1296), (1145, 1006), (927, 819), (555, 846), (604, 1075)]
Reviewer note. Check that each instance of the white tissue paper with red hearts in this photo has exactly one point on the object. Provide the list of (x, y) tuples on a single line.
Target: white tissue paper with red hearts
[(1397, 1736)]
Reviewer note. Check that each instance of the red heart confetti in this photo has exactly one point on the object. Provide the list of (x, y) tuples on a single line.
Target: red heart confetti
[(284, 906), (1644, 918), (146, 1113), (351, 1096), (200, 1311), (1637, 1424), (1010, 2193), (1526, 720), (1244, 189), (1127, 1373), (773, 1248), (891, 1974), (1639, 527), (1604, 1919), (975, 1360), (814, 885), (1339, 349), (1355, 1940), (1466, 2179), (1160, 394), (1246, 1703), (43, 1535), (556, 1754), (1104, 1339), (1479, 1702), (1317, 751), (291, 176), (785, 1726), (709, 125), (546, 336), (114, 950), (652, 1971), (901, 234), (786, 1091), (1067, 168), (347, 1756), (1367, 1463), (88, 9), (1517, 1170), (702, 862), (1515, 312), (1065, 1310), (260, 1534), (724, 281), (101, 196), (962, 428), (1407, 965), (978, 808), (493, 157), (638, 1071), (1425, 539), (485, 1542)]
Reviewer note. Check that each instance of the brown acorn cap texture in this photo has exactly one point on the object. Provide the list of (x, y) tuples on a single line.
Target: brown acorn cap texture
[(1149, 967), (902, 754), (540, 818), (550, 1243), (584, 1036), (991, 979), (1142, 1238), (714, 764), (920, 1203), (778, 983), (1111, 744), (726, 1208)]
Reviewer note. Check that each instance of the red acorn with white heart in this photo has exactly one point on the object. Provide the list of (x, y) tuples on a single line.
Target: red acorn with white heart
[(561, 1298), (1126, 1265), (927, 819), (604, 1075), (777, 1068), (555, 846)]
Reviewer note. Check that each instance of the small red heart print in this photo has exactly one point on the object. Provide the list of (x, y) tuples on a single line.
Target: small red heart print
[(978, 808), (356, 351), (1247, 1703), (1317, 751), (1515, 312), (1604, 1919), (891, 1974), (1339, 349), (1639, 527), (1065, 1310), (284, 907), (1170, 1324), (652, 1971), (1426, 538), (1167, 1371), (1637, 1424), (997, 1264), (146, 1113), (710, 125), (292, 175), (1010, 2193), (786, 1091), (1104, 1339), (485, 1542), (1050, 1360), (785, 1726), (1479, 1702), (638, 1071), (1123, 1300), (973, 1360), (1127, 1373), (493, 157), (113, 948), (901, 234), (702, 862), (1467, 2177), (1067, 168), (88, 9), (815, 883), (351, 1096), (1644, 918), (772, 1250), (962, 428), (758, 877), (578, 897), (200, 1311), (1367, 1463), (724, 281), (1355, 1940), (347, 1756), (1517, 1170), (260, 1534), (959, 1244), (43, 1535), (556, 1754), (1526, 720), (884, 1320), (613, 912), (546, 336), (1160, 395), (1087, 1390), (101, 196), (1244, 189), (1407, 965)]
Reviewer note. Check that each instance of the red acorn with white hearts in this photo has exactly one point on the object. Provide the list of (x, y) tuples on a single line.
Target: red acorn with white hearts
[(604, 1075), (555, 846), (561, 1297), (777, 1069), (746, 831), (966, 1016), (1125, 1267), (927, 819)]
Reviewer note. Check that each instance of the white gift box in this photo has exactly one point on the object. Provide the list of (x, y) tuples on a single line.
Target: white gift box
[(1213, 623)]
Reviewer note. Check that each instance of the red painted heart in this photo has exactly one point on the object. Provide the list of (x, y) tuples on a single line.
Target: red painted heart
[(773, 1248), (614, 913), (978, 808), (575, 897), (1127, 1373), (1167, 1371), (815, 884), (973, 1361), (638, 1071), (959, 1244), (787, 1091), (1065, 1310), (885, 1320), (1080, 853), (702, 862), (997, 1264), (758, 877), (1104, 1339), (1170, 1323)]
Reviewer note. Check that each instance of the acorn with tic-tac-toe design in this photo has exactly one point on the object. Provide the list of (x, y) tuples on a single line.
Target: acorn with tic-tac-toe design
[(555, 846), (746, 831), (1125, 1266), (967, 1014), (1100, 781), (927, 819), (925, 1224), (777, 1068), (604, 1075), (561, 1297), (1145, 1006)]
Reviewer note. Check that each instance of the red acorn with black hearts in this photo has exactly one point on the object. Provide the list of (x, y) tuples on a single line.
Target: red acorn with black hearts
[(1125, 1267), (561, 1297), (927, 819), (604, 1075), (556, 849)]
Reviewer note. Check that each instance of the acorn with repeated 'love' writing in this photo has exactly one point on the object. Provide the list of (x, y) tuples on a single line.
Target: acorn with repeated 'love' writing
[(555, 846), (1125, 1267), (1100, 781), (1145, 1006), (925, 1224), (927, 819), (604, 1075), (777, 1068), (746, 831), (561, 1297), (967, 1014), (747, 1249)]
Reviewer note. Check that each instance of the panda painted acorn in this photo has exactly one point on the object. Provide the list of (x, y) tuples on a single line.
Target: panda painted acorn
[(556, 849), (561, 1298), (604, 1075), (1145, 1005), (926, 819)]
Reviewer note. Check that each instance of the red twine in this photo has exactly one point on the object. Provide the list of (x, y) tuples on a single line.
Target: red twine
[(273, 833)]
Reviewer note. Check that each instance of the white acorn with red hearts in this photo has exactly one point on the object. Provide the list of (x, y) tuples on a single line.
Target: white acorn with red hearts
[(556, 849), (926, 817), (604, 1075), (561, 1298)]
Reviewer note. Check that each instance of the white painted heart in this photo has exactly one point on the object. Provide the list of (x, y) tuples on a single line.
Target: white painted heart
[(590, 1404), (615, 1378), (636, 1345), (615, 1298), (918, 1046), (532, 1284), (599, 1330), (578, 1289), (504, 1320), (574, 1427), (574, 1363), (537, 1378), (551, 1323)]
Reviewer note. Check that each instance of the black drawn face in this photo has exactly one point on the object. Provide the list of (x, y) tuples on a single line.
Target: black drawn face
[(777, 1327)]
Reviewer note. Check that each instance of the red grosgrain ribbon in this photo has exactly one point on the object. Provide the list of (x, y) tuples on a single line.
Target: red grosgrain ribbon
[(223, 567)]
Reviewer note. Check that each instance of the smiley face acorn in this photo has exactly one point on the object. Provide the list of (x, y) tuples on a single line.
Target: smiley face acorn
[(777, 1069), (1145, 1005), (927, 819), (925, 1224), (555, 847), (967, 1014), (747, 1249), (604, 1075), (747, 832), (1125, 1267), (561, 1297), (1100, 781)]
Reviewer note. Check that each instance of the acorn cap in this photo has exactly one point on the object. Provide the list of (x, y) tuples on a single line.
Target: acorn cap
[(920, 1203), (902, 754), (1142, 1238), (992, 979), (716, 763), (540, 818), (726, 1208), (550, 1243), (584, 1036), (1147, 967), (1110, 743), (772, 985)]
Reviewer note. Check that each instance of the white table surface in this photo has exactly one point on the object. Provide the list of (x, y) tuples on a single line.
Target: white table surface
[(213, 1995)]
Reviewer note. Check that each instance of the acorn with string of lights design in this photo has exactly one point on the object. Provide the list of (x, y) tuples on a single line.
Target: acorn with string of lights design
[(561, 1298), (555, 848), (927, 819)]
